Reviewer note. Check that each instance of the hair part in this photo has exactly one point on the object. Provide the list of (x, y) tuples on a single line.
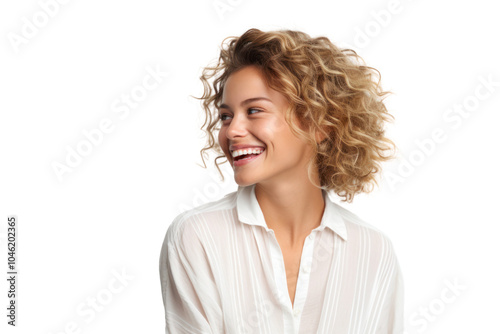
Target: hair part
[(329, 93)]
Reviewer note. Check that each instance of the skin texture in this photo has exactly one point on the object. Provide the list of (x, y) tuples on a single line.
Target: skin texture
[(291, 204)]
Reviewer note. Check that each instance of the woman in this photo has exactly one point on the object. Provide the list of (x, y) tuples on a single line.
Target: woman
[(296, 117)]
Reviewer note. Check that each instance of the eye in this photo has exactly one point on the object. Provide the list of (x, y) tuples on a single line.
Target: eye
[(249, 109), (222, 117)]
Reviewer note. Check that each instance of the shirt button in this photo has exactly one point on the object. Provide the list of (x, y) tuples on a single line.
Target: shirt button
[(296, 312), (310, 237), (306, 269)]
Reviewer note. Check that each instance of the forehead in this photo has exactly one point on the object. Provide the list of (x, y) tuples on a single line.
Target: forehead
[(247, 83), (248, 78)]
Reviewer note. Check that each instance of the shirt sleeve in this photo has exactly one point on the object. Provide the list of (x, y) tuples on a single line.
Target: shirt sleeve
[(398, 302), (190, 296), (392, 320)]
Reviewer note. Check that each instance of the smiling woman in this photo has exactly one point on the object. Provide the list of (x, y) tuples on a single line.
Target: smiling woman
[(296, 118)]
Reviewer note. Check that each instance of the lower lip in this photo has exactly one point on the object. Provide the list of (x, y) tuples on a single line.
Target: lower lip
[(242, 162)]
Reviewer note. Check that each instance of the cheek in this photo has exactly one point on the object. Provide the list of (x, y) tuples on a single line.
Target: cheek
[(269, 132), (222, 141), (286, 145)]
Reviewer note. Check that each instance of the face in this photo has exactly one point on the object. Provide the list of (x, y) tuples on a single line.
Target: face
[(252, 115)]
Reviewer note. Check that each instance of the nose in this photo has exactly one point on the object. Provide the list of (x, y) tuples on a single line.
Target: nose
[(237, 127)]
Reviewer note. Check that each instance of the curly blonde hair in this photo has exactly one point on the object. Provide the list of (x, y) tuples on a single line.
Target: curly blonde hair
[(329, 93)]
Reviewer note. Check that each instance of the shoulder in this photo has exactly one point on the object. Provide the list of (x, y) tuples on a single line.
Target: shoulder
[(191, 223), (360, 231)]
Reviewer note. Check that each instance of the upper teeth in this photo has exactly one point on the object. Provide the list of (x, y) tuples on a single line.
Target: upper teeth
[(247, 151)]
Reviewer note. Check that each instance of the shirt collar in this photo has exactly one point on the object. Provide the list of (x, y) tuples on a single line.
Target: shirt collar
[(249, 212)]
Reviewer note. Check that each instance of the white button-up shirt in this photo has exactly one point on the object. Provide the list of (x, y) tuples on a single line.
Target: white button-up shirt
[(222, 271)]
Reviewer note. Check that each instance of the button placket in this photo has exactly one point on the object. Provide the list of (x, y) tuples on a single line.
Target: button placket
[(306, 267)]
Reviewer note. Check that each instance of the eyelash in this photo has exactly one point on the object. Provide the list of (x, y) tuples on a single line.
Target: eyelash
[(222, 115)]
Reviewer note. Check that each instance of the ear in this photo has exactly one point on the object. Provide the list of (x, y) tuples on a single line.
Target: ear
[(320, 136)]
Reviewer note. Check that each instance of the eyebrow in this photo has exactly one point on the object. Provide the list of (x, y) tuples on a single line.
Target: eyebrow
[(247, 101)]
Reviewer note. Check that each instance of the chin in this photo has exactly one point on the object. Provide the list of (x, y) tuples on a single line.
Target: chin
[(244, 182)]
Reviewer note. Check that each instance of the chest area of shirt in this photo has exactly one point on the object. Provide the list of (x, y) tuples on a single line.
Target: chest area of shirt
[(292, 263), (291, 259)]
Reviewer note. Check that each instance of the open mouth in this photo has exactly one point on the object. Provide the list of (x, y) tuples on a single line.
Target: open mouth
[(246, 156)]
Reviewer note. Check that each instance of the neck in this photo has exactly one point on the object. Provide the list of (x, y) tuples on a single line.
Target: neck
[(291, 209)]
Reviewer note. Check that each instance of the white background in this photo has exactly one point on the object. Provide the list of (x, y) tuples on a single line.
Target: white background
[(110, 213)]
